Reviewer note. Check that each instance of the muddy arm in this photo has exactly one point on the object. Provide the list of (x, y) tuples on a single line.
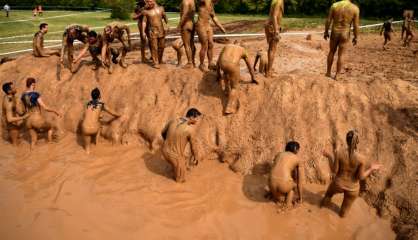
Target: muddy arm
[(46, 108), (111, 112), (300, 179), (194, 145), (356, 26), (64, 45), (164, 15), (9, 114), (257, 57), (83, 51), (250, 69), (381, 29), (328, 23), (215, 20)]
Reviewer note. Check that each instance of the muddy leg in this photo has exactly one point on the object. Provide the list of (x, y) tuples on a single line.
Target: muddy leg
[(203, 39), (186, 36), (33, 138), (70, 52), (271, 54), (161, 47), (328, 195), (332, 49), (14, 135), (210, 49), (87, 142), (348, 201), (154, 51), (340, 61), (289, 198), (181, 171)]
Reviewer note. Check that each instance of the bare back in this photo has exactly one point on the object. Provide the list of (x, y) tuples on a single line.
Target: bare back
[(177, 136), (348, 172), (187, 11), (343, 15), (232, 53), (91, 123), (283, 166)]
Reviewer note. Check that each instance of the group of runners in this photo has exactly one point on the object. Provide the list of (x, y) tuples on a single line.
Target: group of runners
[(287, 174)]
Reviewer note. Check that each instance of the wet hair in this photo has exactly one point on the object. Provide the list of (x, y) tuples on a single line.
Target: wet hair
[(92, 34), (193, 113), (352, 141), (29, 82), (95, 94), (7, 87), (140, 3), (42, 26), (292, 146)]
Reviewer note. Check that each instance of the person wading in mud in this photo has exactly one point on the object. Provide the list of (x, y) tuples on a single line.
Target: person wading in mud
[(38, 43), (205, 31), (34, 105), (342, 16), (228, 63), (349, 167), (286, 165), (90, 126), (272, 29), (387, 31), (176, 134), (187, 29), (12, 112)]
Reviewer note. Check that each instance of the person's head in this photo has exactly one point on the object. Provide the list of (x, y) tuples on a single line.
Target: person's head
[(72, 32), (30, 83), (293, 147), (141, 3), (193, 115), (92, 37), (108, 30), (8, 88), (95, 94), (352, 139), (150, 3), (43, 27)]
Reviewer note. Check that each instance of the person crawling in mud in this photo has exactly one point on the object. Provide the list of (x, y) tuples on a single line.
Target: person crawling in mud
[(12, 113), (73, 32), (38, 43), (409, 28), (177, 134), (349, 167), (178, 47), (120, 32), (287, 175), (205, 31), (187, 29), (143, 33), (228, 63), (272, 29), (263, 58), (387, 31), (34, 105), (90, 126), (154, 16), (342, 16)]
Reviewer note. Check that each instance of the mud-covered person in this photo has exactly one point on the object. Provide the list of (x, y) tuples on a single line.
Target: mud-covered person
[(154, 16), (205, 31), (143, 33), (72, 32), (187, 30), (34, 105), (12, 112), (177, 45), (349, 167), (409, 29), (287, 175), (38, 43), (120, 32), (228, 63), (387, 31), (177, 134), (90, 126), (272, 29), (407, 14), (261, 58), (342, 16)]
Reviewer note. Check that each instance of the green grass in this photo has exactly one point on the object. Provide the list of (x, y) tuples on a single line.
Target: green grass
[(99, 19)]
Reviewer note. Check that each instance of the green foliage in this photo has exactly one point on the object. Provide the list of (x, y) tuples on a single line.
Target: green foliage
[(121, 9)]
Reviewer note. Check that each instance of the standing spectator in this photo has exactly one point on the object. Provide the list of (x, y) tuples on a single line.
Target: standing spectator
[(7, 9), (40, 10), (35, 11)]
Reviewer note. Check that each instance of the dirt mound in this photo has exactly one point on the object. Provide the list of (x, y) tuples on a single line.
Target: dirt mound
[(377, 95)]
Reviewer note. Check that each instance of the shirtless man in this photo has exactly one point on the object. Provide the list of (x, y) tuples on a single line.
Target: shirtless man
[(409, 28), (143, 33), (34, 105), (281, 182), (178, 47), (187, 29), (12, 112), (272, 29), (116, 31), (71, 33), (176, 134), (154, 16), (228, 62), (263, 58), (90, 125), (387, 28), (342, 15), (407, 14), (205, 31), (350, 168), (38, 43)]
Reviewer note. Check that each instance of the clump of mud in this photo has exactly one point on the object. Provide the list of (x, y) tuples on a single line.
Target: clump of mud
[(376, 95)]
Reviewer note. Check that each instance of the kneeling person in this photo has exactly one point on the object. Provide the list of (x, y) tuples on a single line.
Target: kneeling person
[(38, 43), (176, 134), (281, 181), (90, 126)]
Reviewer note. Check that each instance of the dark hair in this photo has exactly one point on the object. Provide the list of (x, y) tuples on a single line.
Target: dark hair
[(42, 25), (193, 113), (30, 81), (92, 34), (352, 141), (7, 87), (292, 146), (95, 94)]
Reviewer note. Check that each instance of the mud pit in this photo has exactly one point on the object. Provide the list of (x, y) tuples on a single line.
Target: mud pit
[(125, 191)]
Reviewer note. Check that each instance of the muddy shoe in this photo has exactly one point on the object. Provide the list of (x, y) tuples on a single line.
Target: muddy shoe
[(202, 67), (123, 64)]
